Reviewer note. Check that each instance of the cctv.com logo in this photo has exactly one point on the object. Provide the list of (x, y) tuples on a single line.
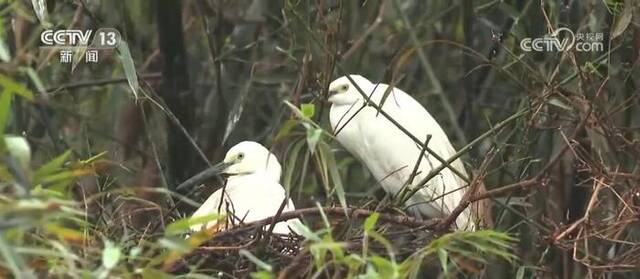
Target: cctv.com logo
[(583, 42)]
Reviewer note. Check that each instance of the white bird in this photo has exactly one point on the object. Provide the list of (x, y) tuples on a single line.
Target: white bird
[(252, 192), (390, 154)]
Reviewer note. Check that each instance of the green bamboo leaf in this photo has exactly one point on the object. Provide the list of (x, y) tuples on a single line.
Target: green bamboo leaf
[(51, 167), (35, 78), (323, 215), (64, 233), (262, 275), (293, 108), (321, 162), (110, 255), (5, 109), (259, 263), (134, 252), (14, 87), (93, 158), (520, 272), (623, 20), (385, 242), (236, 112), (385, 267), (67, 176), (370, 222), (19, 148), (308, 110), (152, 273), (386, 93), (78, 54), (173, 244), (183, 225), (313, 137), (443, 257), (291, 165), (5, 54), (40, 8), (559, 103), (12, 260), (305, 231), (334, 174), (129, 67), (285, 129)]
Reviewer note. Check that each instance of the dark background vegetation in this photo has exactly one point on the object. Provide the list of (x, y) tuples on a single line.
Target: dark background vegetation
[(109, 142)]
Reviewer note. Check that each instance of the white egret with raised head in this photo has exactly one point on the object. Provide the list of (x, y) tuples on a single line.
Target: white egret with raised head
[(390, 154)]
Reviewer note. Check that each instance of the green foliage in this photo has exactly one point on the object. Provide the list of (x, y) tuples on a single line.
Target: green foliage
[(261, 265), (110, 255), (10, 86), (318, 149), (5, 107), (129, 68), (182, 225), (477, 247), (45, 229), (19, 148)]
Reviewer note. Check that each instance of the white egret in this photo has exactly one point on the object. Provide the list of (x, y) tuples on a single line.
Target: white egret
[(389, 153), (252, 192)]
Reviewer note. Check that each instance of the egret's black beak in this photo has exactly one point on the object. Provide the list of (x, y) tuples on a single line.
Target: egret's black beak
[(204, 175), (330, 94)]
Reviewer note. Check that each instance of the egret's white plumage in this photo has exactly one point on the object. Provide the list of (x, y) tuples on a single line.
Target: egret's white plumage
[(389, 153), (253, 191)]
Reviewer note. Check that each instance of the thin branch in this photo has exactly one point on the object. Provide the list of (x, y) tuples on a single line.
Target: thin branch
[(360, 41), (522, 184), (463, 150), (338, 212), (99, 82), (468, 199)]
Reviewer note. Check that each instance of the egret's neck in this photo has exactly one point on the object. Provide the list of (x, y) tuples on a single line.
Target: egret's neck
[(342, 113), (273, 169)]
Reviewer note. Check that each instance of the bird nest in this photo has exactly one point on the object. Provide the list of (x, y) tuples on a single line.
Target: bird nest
[(227, 250)]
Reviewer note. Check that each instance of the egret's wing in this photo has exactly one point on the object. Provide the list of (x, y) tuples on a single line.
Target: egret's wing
[(258, 197), (249, 198), (418, 121), (293, 224), (210, 206)]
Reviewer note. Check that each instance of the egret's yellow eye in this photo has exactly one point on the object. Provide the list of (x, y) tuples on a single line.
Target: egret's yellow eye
[(240, 156), (344, 87)]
